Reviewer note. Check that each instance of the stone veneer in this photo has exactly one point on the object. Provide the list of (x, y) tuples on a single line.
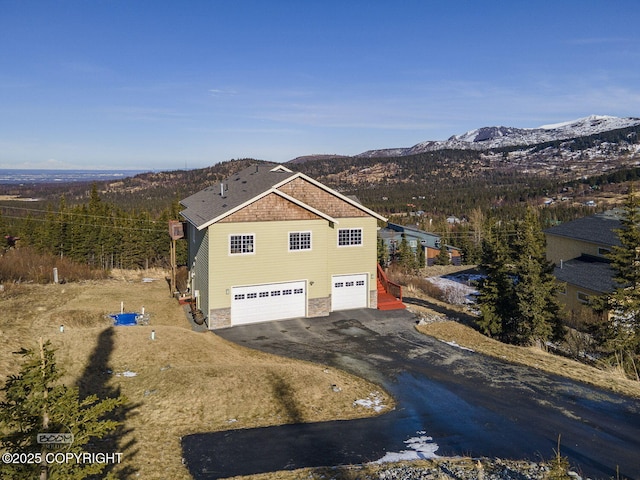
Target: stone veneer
[(219, 318), (373, 298), (319, 307)]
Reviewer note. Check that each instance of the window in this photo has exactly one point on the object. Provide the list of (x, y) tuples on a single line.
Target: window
[(603, 251), (583, 297), (349, 236), (299, 241), (241, 244)]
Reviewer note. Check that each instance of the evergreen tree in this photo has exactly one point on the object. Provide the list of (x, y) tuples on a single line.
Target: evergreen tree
[(620, 332), (422, 258), (496, 290), (538, 310), (36, 402), (518, 297), (443, 255), (406, 257), (382, 253)]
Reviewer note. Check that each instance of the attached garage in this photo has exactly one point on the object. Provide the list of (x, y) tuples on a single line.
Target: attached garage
[(263, 303), (349, 291)]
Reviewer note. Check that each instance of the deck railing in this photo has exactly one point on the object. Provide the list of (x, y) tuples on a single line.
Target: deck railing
[(389, 286)]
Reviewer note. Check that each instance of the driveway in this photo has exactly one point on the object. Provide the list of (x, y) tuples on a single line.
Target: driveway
[(450, 401)]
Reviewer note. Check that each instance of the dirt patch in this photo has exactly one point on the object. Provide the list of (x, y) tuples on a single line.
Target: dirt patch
[(179, 383)]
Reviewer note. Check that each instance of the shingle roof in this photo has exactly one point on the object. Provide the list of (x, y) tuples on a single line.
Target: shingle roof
[(597, 229), (210, 203), (587, 272), (214, 203)]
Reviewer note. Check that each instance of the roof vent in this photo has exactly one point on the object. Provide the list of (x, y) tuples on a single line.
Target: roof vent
[(222, 190)]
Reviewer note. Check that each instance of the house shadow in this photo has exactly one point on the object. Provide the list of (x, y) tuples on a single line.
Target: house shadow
[(95, 380)]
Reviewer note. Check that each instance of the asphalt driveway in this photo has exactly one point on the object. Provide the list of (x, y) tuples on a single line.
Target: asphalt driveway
[(449, 400)]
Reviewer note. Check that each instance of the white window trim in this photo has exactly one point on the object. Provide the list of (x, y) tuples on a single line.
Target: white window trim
[(300, 249), (241, 235), (578, 293), (350, 244)]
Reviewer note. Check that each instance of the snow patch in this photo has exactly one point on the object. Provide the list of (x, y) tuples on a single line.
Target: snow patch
[(372, 401), (420, 448), (453, 343)]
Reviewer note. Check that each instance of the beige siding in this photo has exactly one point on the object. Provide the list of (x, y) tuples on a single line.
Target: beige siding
[(273, 262), (354, 259), (563, 248), (569, 298)]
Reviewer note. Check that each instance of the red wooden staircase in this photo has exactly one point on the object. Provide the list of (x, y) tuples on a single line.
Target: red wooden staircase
[(389, 293)]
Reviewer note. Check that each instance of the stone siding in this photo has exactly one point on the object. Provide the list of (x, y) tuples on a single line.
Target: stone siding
[(219, 318), (373, 298), (319, 307)]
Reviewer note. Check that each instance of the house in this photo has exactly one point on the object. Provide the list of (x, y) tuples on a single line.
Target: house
[(430, 242), (578, 249), (269, 244)]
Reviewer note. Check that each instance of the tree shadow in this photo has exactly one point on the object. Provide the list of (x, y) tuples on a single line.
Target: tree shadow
[(450, 313), (285, 396), (95, 381)]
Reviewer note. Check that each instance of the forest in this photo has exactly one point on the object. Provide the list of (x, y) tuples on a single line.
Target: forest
[(124, 223)]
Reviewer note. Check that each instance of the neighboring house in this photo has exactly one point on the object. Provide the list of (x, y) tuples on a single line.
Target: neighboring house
[(578, 250), (416, 238), (269, 244)]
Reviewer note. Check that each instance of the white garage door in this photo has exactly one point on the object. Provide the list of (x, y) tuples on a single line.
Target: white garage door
[(349, 291), (262, 303)]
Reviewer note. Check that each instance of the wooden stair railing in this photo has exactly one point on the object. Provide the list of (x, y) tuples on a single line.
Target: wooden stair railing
[(389, 286)]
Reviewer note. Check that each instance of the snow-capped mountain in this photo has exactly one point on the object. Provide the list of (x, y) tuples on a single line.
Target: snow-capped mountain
[(486, 138)]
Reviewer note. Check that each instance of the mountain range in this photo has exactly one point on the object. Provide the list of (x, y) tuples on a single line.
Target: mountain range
[(497, 137)]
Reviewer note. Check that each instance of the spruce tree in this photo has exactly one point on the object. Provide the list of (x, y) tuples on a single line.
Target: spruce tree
[(621, 336), (538, 310), (496, 289), (35, 402), (443, 256)]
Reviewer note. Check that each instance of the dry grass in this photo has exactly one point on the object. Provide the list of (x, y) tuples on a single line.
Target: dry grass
[(186, 382), (462, 333)]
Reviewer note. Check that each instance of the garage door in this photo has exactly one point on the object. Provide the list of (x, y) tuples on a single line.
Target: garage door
[(262, 303), (349, 291)]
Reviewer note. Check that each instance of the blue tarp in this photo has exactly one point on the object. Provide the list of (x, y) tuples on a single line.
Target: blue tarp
[(124, 318)]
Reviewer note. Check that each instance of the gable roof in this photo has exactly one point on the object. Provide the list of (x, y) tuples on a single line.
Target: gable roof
[(588, 272), (599, 229), (214, 203)]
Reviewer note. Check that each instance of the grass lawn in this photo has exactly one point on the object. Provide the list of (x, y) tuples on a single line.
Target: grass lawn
[(185, 382)]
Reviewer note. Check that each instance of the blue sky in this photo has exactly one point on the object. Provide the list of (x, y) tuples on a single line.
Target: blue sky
[(166, 85)]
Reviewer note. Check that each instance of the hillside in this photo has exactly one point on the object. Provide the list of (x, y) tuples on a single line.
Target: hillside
[(432, 178)]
